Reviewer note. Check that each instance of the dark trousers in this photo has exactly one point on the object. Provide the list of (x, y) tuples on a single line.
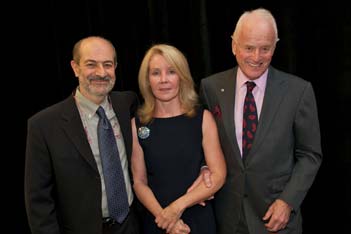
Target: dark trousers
[(131, 225)]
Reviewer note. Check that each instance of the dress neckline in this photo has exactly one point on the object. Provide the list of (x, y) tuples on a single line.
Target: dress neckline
[(170, 117)]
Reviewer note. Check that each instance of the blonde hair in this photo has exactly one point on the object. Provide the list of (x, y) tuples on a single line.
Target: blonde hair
[(187, 94)]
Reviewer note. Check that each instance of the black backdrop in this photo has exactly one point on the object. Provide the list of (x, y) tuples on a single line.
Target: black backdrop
[(314, 44)]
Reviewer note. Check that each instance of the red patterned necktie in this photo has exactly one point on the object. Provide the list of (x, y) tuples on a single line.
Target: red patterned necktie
[(250, 119)]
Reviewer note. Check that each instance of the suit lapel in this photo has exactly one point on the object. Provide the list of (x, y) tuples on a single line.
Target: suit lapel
[(228, 101), (72, 125), (274, 94), (122, 113)]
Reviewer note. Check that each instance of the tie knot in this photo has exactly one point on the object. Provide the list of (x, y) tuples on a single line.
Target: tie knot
[(250, 85), (101, 112)]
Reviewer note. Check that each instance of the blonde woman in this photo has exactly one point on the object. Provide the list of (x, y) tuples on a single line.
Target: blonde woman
[(172, 138)]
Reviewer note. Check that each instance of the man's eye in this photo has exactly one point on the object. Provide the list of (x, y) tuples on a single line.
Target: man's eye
[(108, 65)]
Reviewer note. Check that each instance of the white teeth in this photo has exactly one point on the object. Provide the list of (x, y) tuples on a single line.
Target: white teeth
[(254, 64)]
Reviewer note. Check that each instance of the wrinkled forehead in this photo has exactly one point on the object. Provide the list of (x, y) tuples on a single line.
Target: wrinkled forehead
[(257, 31), (97, 49)]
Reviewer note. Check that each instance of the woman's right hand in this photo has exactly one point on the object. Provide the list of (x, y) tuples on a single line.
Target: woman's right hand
[(180, 228), (168, 217)]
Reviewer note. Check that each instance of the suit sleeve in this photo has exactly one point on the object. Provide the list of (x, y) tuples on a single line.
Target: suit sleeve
[(39, 179), (308, 152), (134, 106)]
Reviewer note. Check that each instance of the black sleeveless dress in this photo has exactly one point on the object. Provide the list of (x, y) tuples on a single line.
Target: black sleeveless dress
[(173, 155)]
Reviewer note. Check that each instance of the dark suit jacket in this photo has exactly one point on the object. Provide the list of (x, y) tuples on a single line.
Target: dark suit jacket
[(285, 155), (62, 182)]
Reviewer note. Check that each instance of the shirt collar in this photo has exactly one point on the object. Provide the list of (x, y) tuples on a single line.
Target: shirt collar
[(260, 81), (89, 108)]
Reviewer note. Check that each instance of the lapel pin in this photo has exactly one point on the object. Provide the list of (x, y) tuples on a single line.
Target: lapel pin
[(143, 132)]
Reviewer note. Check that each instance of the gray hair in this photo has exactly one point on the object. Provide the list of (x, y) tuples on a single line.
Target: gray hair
[(261, 13)]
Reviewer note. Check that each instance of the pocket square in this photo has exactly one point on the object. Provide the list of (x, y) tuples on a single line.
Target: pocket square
[(216, 111)]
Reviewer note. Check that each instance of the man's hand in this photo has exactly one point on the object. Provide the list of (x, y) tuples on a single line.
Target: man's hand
[(204, 177), (277, 215)]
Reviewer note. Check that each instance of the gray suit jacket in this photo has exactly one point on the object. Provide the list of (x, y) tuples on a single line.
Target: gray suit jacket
[(285, 156), (62, 182)]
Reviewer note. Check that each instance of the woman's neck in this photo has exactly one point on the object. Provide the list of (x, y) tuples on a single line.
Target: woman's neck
[(169, 109)]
